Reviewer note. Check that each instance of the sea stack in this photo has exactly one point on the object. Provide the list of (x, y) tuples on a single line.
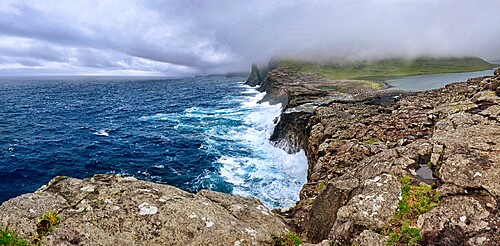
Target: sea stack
[(255, 78)]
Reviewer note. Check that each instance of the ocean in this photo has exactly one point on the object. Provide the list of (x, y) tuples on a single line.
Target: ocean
[(192, 133)]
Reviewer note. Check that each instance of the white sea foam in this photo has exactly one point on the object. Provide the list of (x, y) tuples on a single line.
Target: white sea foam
[(239, 136), (102, 133), (268, 173)]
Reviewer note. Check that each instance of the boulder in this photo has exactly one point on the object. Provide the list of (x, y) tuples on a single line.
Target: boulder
[(115, 210)]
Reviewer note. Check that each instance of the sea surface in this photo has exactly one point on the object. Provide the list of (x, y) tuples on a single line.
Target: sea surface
[(192, 133), (433, 81)]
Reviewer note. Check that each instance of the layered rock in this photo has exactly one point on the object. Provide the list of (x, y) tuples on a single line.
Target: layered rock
[(358, 151), (114, 210), (300, 95)]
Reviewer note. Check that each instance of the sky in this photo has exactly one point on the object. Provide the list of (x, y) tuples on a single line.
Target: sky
[(189, 37)]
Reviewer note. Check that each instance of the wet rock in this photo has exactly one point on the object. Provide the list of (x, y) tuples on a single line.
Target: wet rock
[(114, 210)]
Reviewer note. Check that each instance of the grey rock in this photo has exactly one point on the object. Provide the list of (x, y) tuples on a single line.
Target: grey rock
[(372, 208), (453, 220), (114, 210), (370, 238)]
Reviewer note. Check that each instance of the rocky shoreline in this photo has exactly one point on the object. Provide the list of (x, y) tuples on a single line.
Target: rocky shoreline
[(385, 168), (365, 148)]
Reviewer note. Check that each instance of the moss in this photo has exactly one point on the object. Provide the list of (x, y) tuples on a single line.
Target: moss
[(415, 200), (459, 107), (372, 140), (320, 186), (8, 238), (289, 239)]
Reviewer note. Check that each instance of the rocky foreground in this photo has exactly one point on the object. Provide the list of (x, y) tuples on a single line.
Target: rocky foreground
[(114, 210), (385, 168)]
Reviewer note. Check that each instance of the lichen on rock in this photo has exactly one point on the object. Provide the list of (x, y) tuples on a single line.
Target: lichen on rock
[(115, 210)]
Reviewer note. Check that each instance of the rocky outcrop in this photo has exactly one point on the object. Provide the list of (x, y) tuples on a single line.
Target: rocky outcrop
[(300, 94), (114, 210), (446, 141), (255, 78)]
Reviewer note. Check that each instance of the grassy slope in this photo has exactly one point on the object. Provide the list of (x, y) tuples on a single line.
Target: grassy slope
[(385, 69)]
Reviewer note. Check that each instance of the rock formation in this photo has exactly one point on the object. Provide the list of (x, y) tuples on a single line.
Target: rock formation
[(365, 155), (255, 78), (114, 210)]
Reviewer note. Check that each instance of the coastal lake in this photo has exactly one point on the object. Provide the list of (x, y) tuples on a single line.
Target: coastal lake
[(433, 81)]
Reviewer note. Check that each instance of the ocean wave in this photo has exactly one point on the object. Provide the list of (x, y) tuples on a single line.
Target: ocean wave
[(250, 163), (235, 134)]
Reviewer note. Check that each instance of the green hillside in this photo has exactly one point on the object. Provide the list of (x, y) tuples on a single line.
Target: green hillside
[(385, 69)]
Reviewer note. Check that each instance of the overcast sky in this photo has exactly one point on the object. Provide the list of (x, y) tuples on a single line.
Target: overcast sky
[(177, 38)]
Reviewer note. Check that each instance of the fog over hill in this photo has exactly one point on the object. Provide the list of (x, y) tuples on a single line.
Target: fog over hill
[(179, 37)]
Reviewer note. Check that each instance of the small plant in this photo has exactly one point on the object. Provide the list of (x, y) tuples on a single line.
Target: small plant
[(8, 238), (45, 226), (47, 223), (289, 239)]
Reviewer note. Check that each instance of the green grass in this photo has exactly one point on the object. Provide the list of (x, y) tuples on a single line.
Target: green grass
[(416, 200), (8, 238), (289, 239), (385, 69)]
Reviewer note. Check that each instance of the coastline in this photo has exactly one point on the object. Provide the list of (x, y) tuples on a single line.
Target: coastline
[(364, 150)]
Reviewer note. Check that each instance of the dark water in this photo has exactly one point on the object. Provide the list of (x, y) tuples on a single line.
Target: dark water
[(433, 81), (192, 133)]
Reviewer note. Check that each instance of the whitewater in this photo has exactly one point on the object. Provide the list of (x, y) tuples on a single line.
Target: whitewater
[(192, 133)]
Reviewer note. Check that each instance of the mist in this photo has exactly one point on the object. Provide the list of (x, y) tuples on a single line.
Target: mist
[(183, 38)]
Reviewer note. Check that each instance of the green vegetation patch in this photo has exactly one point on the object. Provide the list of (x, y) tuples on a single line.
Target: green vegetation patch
[(372, 140), (416, 200), (289, 239), (9, 238), (381, 70), (320, 186), (45, 225)]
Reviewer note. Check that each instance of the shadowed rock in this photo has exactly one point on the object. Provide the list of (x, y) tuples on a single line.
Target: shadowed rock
[(255, 78)]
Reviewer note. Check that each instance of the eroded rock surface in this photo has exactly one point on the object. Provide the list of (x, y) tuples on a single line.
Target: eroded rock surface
[(114, 210), (455, 131)]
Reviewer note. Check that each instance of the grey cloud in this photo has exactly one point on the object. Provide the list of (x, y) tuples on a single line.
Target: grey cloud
[(179, 37)]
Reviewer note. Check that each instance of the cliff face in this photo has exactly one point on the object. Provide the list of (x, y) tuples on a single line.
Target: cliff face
[(300, 95), (395, 168), (114, 210)]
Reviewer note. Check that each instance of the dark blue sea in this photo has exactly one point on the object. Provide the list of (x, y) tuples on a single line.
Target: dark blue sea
[(192, 133)]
